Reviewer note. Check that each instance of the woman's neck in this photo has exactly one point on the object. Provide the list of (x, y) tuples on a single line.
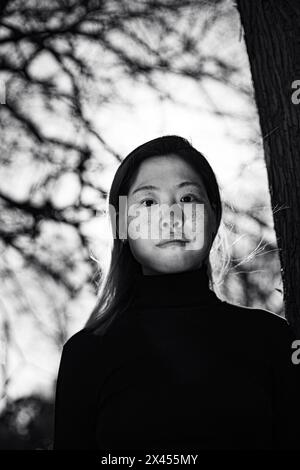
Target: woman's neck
[(187, 288)]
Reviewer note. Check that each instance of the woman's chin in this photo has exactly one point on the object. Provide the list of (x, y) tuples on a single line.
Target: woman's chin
[(167, 265)]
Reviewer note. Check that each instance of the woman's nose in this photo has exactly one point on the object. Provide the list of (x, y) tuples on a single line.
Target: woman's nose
[(176, 224), (172, 220)]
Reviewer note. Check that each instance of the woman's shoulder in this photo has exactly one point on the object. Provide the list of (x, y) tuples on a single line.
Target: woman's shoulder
[(260, 319), (262, 330), (81, 357), (82, 341)]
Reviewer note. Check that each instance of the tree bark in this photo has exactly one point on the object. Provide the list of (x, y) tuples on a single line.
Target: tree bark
[(272, 37)]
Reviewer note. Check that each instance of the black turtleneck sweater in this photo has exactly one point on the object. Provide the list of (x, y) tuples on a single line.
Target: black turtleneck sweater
[(180, 370)]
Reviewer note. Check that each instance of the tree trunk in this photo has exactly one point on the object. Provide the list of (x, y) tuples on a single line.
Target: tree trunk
[(272, 36)]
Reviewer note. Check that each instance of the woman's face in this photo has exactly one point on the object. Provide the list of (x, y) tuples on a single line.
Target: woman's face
[(150, 220)]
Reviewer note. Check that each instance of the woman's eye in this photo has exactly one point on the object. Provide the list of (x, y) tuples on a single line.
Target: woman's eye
[(194, 198), (147, 200)]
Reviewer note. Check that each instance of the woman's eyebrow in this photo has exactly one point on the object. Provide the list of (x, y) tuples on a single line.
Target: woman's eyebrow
[(180, 185)]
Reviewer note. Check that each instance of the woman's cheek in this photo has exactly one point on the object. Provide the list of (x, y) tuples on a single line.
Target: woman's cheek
[(138, 222), (194, 219)]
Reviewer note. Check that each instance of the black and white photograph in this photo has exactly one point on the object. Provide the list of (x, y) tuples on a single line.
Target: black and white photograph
[(149, 229)]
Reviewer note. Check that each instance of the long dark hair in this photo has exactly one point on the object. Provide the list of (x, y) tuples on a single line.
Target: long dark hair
[(117, 287)]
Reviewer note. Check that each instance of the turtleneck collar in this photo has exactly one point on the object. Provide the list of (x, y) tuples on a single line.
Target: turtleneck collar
[(183, 289)]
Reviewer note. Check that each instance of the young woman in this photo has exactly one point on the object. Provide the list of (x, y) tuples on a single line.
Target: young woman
[(163, 362)]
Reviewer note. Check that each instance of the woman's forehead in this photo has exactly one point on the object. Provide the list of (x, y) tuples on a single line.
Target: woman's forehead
[(163, 169)]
